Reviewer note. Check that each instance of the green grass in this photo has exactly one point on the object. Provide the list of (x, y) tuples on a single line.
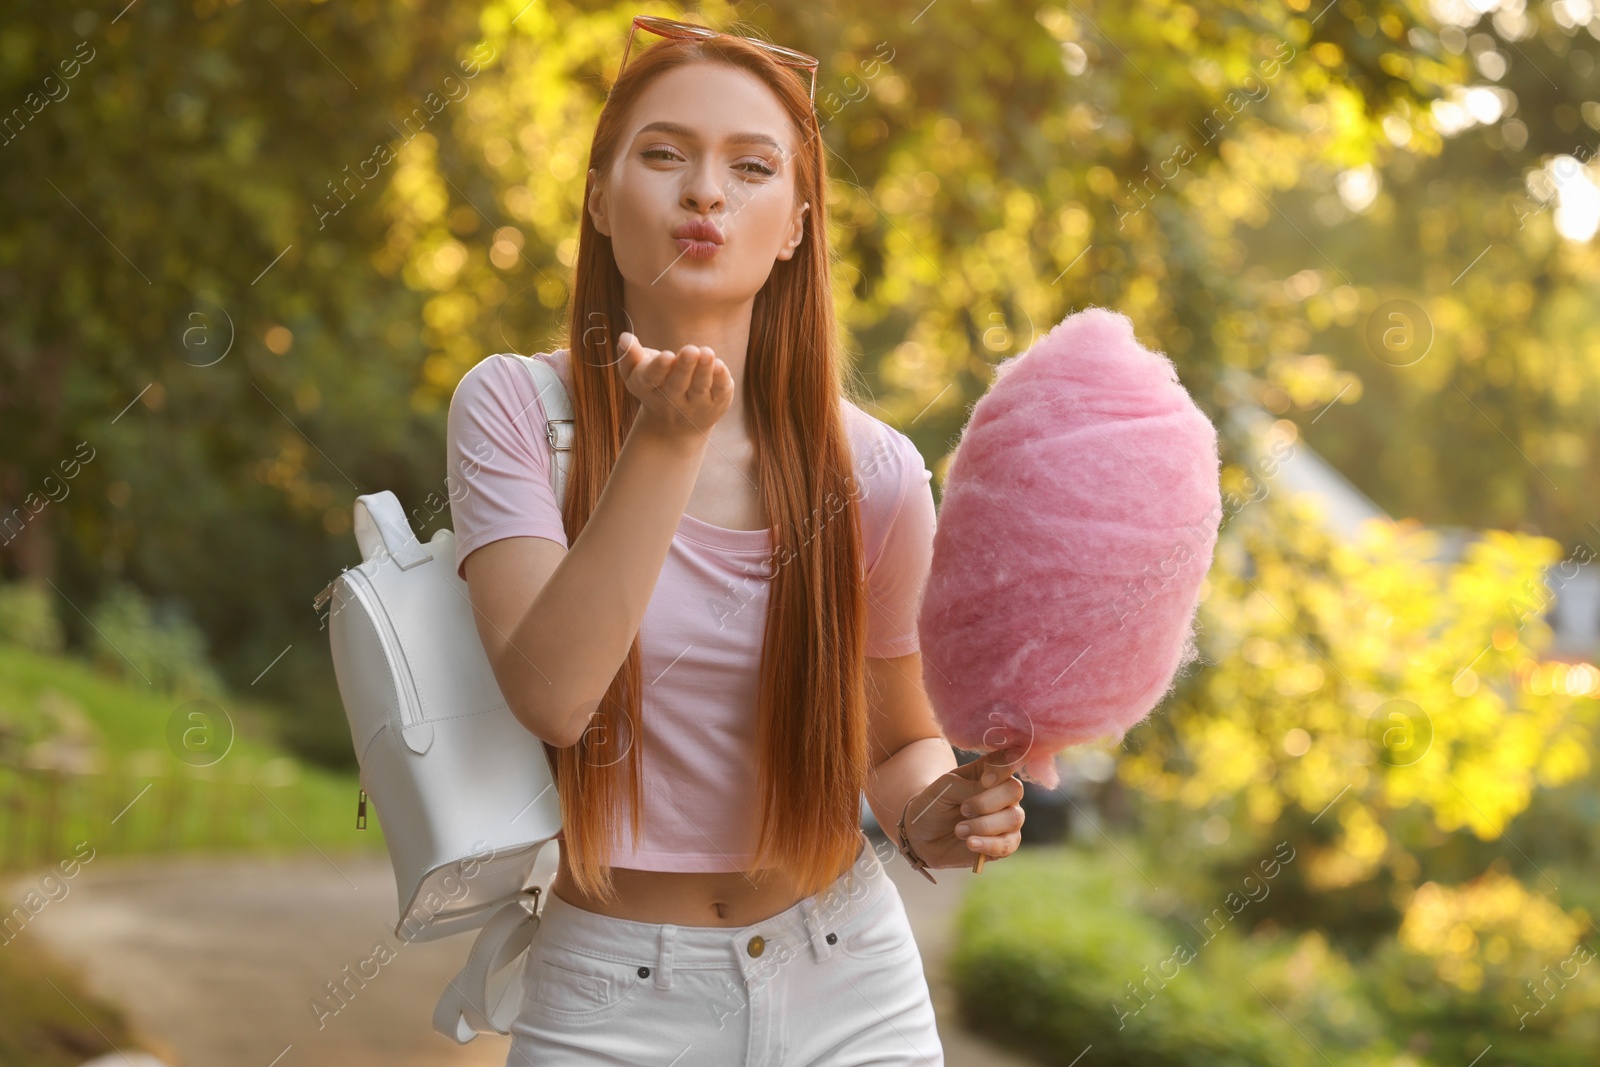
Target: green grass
[(93, 758)]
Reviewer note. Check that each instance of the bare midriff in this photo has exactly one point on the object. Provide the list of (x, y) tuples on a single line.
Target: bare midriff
[(686, 898)]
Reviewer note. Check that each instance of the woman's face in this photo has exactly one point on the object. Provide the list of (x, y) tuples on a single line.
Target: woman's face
[(709, 144)]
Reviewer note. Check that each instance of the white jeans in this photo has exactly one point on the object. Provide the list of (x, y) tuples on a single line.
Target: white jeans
[(834, 981)]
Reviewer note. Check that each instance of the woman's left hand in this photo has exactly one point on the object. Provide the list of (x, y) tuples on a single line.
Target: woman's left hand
[(974, 808)]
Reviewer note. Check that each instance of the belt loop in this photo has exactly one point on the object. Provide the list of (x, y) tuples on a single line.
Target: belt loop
[(664, 957), (819, 944)]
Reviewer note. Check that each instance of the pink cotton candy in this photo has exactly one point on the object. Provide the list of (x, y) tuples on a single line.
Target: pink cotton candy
[(1076, 526)]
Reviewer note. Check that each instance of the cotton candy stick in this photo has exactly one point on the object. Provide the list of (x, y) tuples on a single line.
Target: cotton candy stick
[(1077, 523)]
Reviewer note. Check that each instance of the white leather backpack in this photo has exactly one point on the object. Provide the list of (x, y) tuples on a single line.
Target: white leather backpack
[(465, 791)]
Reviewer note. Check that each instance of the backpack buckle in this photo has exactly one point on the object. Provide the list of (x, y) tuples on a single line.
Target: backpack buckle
[(324, 595), (550, 432)]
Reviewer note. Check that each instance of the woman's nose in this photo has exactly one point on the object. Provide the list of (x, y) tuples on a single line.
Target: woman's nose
[(701, 193)]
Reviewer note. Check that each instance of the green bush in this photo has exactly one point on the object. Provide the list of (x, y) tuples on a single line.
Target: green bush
[(28, 617), (1057, 950), (1493, 960), (132, 639)]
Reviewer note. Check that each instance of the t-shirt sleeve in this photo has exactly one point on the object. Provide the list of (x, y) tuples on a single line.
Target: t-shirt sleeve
[(897, 578), (499, 460)]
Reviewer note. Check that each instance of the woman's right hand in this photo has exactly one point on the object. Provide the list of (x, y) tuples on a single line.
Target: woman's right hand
[(681, 394)]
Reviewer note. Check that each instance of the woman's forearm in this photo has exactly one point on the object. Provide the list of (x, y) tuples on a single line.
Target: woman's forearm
[(571, 641), (903, 775)]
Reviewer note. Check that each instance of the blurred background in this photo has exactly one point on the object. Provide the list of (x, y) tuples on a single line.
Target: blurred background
[(248, 248)]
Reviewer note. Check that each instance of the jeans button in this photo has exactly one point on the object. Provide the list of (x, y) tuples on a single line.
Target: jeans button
[(757, 943)]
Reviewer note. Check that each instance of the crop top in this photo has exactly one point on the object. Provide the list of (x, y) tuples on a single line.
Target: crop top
[(702, 630)]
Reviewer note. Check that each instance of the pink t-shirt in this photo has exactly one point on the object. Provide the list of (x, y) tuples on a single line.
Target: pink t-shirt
[(702, 629)]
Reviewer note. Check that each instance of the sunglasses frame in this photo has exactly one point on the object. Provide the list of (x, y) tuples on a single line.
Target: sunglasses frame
[(675, 30)]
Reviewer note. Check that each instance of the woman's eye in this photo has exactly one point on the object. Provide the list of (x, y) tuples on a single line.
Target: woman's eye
[(754, 166)]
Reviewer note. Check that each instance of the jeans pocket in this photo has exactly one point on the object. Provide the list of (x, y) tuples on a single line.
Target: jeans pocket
[(567, 984), (880, 931)]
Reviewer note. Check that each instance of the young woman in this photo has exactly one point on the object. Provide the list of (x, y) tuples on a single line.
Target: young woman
[(722, 656)]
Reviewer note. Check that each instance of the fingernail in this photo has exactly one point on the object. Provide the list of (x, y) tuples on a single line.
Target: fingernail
[(963, 830), (966, 809)]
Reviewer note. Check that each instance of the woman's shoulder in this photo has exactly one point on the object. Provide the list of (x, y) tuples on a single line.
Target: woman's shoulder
[(558, 360), (887, 462), (502, 381), (874, 441), (893, 493)]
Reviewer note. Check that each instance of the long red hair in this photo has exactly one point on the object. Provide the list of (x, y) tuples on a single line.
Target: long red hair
[(812, 733)]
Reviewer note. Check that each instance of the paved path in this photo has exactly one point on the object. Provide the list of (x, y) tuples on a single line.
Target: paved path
[(221, 960)]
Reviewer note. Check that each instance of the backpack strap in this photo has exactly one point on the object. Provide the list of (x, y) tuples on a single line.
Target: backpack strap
[(559, 427), (464, 1010)]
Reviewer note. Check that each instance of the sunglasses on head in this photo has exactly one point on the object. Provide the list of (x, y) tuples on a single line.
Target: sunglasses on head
[(671, 28)]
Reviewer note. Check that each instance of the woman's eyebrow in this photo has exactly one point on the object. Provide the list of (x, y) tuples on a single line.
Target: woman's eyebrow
[(681, 130)]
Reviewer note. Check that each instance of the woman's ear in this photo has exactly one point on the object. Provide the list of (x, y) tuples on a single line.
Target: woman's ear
[(797, 232), (597, 205)]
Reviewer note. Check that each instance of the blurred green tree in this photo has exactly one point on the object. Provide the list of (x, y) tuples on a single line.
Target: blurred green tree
[(309, 221)]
